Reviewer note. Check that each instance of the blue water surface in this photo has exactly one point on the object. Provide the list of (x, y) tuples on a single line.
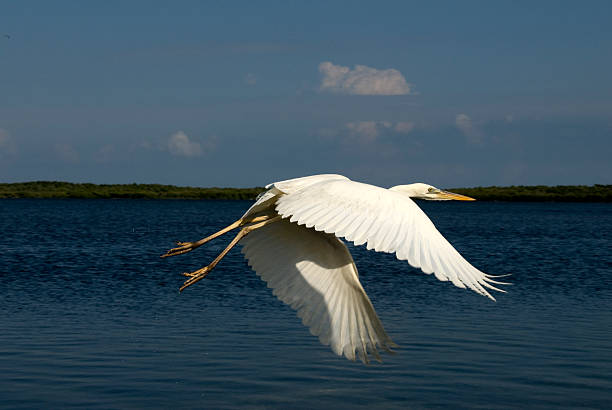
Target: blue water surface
[(90, 316)]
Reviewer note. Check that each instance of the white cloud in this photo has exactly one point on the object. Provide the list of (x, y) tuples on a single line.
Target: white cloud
[(362, 80), (463, 122), (180, 145), (404, 127), (369, 131), (366, 132), (472, 132)]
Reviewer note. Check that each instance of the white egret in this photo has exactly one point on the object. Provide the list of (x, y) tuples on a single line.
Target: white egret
[(290, 237)]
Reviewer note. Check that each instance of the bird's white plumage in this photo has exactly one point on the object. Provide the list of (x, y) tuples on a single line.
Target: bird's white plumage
[(301, 258), (314, 273), (267, 199), (386, 221)]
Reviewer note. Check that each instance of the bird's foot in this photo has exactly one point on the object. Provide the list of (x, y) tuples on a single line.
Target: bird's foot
[(183, 247), (195, 273), (195, 276)]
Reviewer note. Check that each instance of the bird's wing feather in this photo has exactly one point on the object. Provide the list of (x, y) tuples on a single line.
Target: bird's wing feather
[(386, 221), (267, 198), (291, 185), (314, 273)]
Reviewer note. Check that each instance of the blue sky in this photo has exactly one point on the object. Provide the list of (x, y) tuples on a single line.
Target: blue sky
[(239, 94)]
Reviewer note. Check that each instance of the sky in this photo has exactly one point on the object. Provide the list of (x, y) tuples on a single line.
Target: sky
[(243, 93)]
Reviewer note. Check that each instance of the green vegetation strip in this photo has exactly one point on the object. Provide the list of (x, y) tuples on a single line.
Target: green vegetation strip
[(46, 189), (540, 193)]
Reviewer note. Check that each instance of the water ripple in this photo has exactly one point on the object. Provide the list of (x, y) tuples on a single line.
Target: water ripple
[(92, 317)]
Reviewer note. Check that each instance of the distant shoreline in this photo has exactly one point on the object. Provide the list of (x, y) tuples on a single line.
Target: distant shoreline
[(65, 190)]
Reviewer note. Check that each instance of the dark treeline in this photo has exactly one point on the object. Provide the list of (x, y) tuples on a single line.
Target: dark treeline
[(539, 193), (52, 189), (46, 189)]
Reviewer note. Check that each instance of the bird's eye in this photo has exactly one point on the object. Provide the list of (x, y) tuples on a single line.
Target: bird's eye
[(430, 190)]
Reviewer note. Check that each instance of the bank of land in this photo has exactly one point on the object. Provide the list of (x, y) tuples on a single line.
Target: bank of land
[(540, 193), (50, 189)]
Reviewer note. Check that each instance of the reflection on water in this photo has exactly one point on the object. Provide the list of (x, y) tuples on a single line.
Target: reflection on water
[(92, 317)]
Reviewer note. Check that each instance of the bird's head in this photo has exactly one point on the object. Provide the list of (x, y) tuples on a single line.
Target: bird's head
[(428, 192)]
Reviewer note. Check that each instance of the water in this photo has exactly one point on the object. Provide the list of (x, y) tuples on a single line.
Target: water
[(91, 316)]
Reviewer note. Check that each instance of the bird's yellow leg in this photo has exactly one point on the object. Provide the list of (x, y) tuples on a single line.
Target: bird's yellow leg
[(184, 247), (201, 273)]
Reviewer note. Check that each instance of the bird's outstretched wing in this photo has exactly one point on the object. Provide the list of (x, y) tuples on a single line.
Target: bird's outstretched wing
[(314, 273), (386, 221)]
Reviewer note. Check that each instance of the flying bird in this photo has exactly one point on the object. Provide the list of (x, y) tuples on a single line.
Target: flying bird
[(291, 239)]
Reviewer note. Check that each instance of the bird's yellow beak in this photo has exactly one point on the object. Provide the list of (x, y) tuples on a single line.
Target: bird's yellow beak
[(446, 195)]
